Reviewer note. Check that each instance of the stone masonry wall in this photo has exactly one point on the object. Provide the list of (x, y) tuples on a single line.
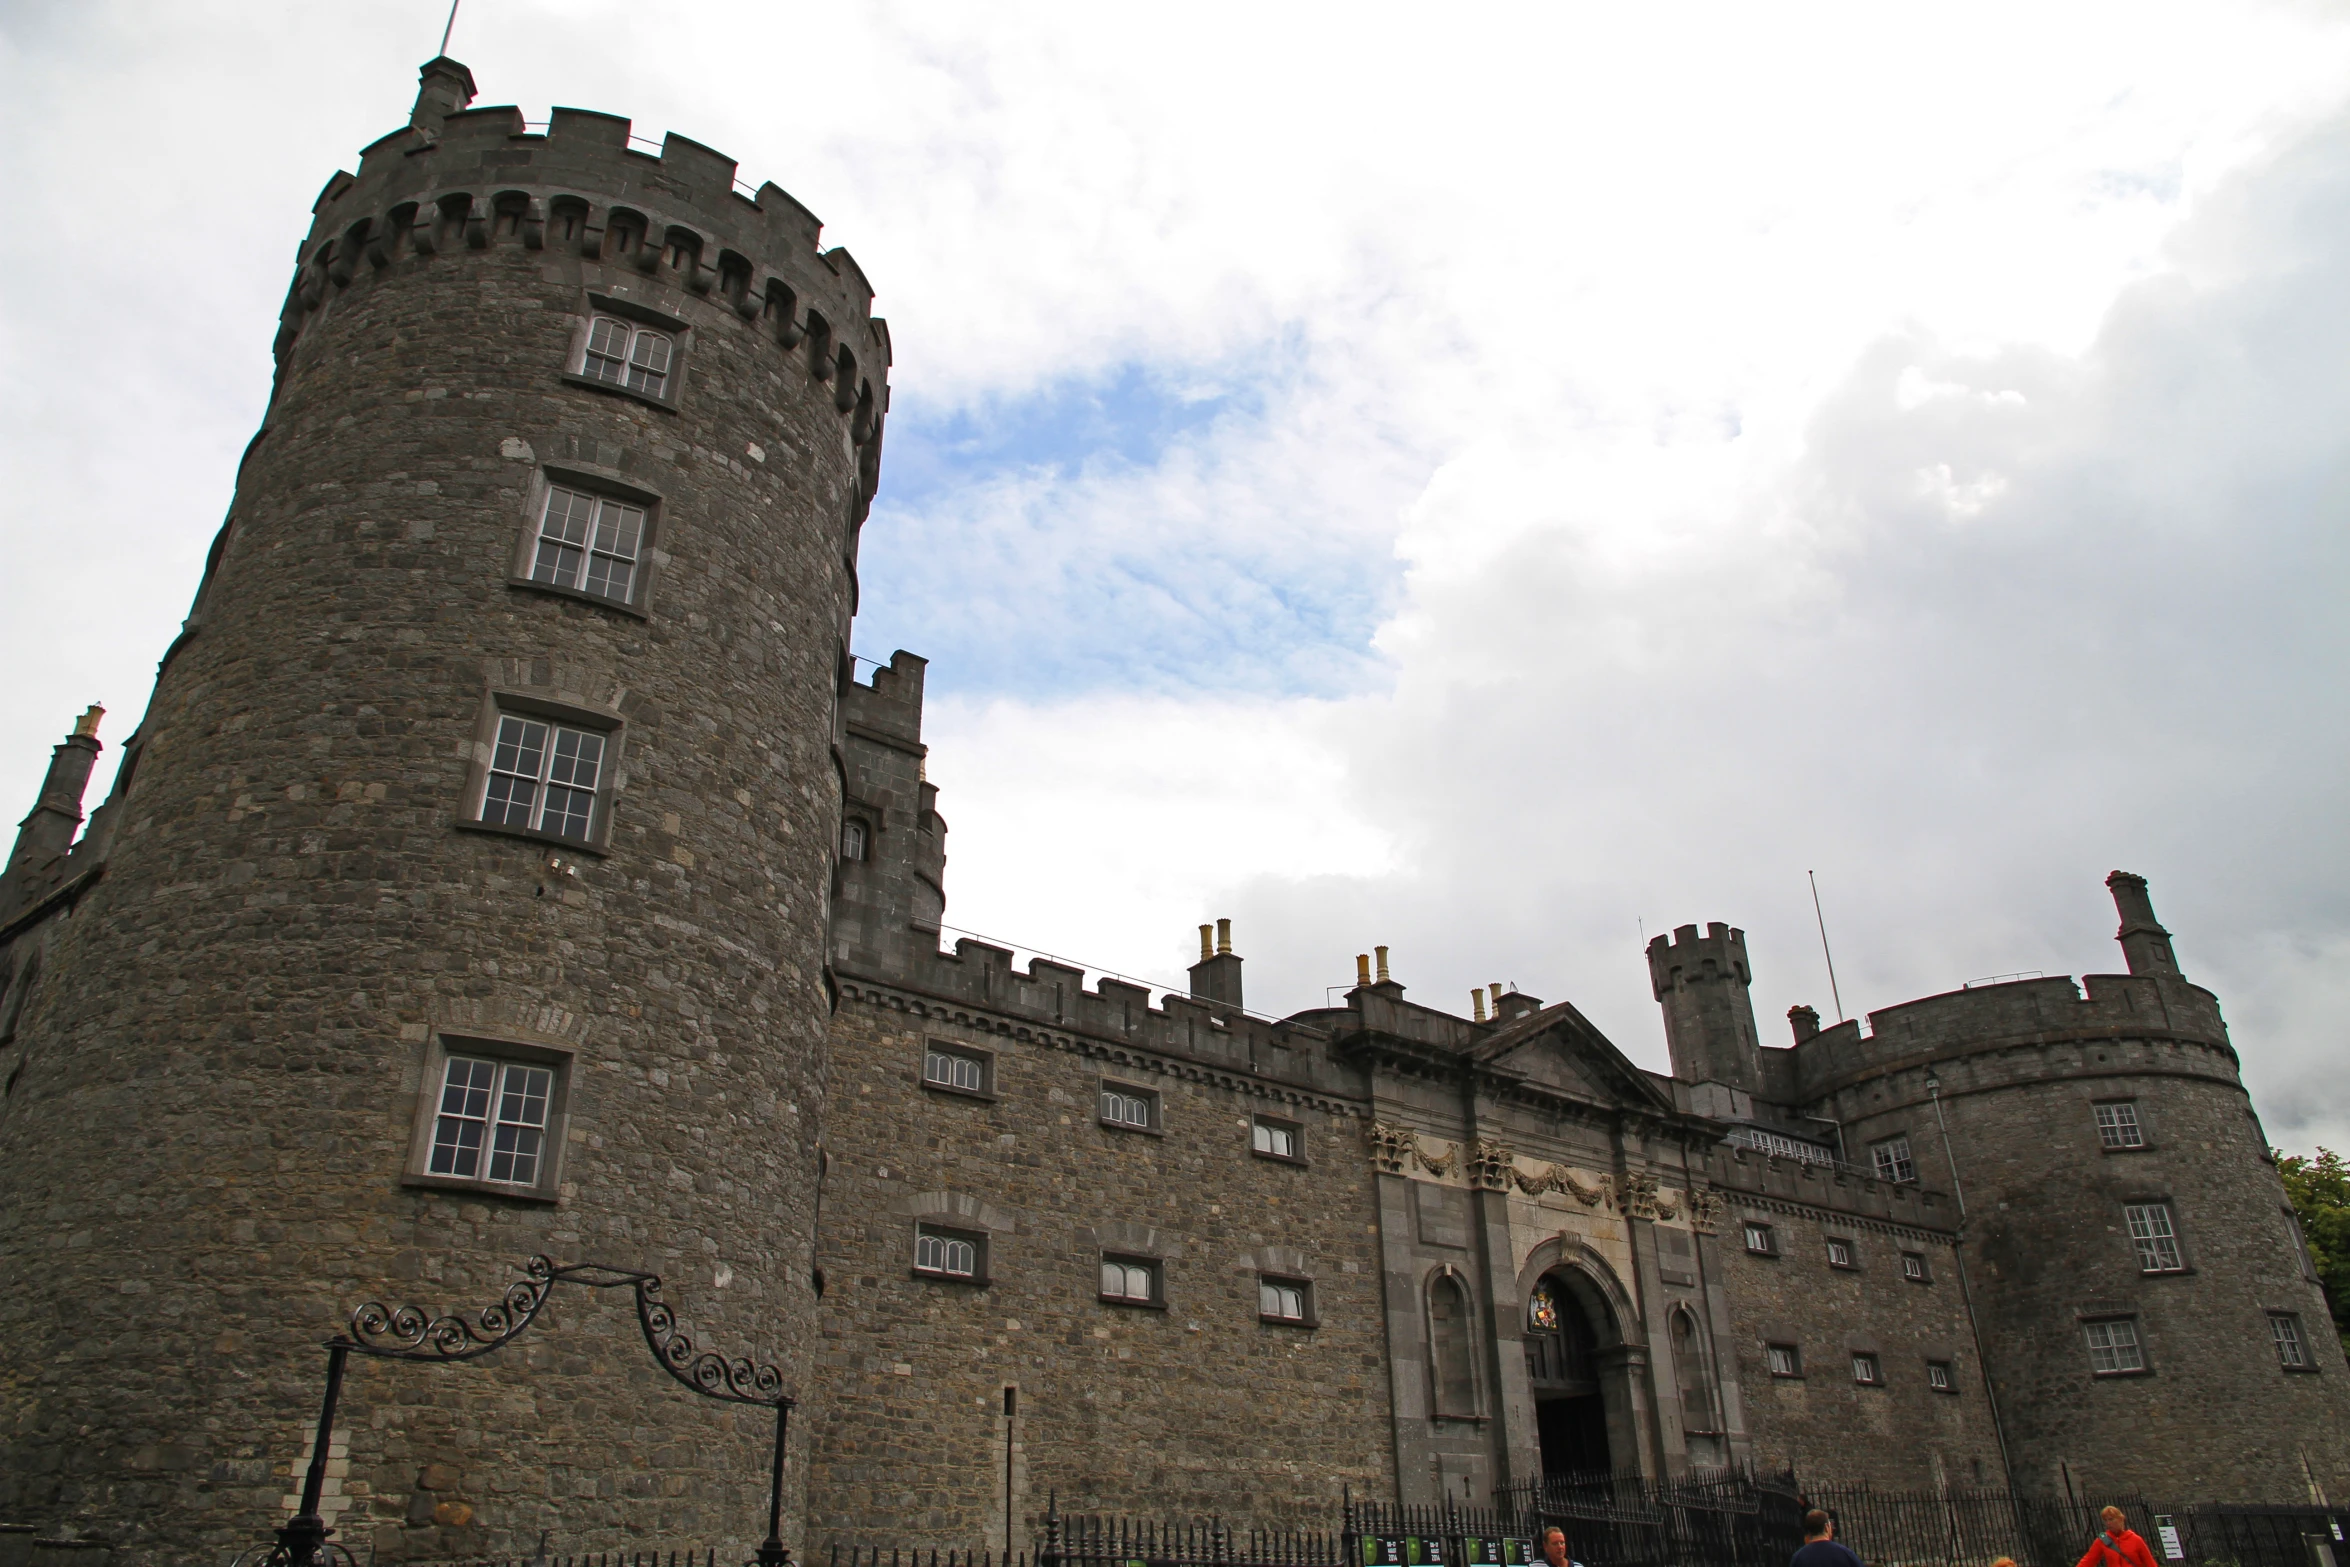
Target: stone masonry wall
[(211, 1141), (1196, 1408), (1902, 1434)]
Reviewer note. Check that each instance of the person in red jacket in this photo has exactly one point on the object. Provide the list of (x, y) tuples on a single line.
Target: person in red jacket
[(2119, 1546)]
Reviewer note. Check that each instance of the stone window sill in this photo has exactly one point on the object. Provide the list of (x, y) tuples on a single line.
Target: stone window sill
[(1108, 1125), (1281, 1158), (557, 590), (968, 1280), (1132, 1304), (534, 835), (537, 1195), (1302, 1322), (983, 1095)]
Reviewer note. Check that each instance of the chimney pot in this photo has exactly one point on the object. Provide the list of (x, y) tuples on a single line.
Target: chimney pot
[(1223, 935), (1362, 968), (1382, 952)]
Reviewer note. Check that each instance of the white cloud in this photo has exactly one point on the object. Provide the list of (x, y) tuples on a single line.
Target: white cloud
[(1669, 449)]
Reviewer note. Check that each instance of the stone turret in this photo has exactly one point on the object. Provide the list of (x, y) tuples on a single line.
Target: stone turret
[(1701, 982), (48, 828), (473, 902), (2145, 944)]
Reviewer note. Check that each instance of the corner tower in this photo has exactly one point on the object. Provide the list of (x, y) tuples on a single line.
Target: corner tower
[(465, 886), (1701, 982)]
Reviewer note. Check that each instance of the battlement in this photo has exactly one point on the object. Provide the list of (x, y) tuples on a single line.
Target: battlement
[(890, 708), (2024, 1011), (467, 179), (1683, 957), (1117, 1018)]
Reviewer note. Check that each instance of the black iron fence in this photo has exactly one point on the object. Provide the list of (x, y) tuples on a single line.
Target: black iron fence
[(1900, 1529), (1725, 1519)]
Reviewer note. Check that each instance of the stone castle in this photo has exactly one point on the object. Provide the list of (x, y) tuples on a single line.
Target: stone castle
[(510, 861)]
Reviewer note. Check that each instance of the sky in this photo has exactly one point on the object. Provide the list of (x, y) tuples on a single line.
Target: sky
[(1496, 482)]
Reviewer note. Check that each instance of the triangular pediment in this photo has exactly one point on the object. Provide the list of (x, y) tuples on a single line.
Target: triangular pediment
[(1558, 1048)]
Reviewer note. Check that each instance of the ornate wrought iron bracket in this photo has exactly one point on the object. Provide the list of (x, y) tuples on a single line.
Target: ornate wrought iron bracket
[(411, 1333)]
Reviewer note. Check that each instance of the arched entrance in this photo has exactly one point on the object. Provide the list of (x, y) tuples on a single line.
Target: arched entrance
[(1565, 1329)]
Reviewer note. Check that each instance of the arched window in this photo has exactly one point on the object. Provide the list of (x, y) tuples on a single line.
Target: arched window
[(852, 839), (1451, 1353)]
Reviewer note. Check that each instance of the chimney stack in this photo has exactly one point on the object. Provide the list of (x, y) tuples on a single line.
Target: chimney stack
[(1216, 976)]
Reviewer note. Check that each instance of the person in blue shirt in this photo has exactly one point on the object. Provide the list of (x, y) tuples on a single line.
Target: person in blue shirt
[(1819, 1544)]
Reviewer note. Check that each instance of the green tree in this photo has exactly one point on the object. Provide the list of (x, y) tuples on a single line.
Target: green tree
[(2320, 1189)]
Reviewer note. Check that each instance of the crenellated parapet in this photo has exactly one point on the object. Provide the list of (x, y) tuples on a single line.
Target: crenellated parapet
[(2025, 1029), (978, 984), (458, 182)]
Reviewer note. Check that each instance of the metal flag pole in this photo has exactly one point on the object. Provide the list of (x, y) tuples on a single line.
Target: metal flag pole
[(452, 27), (1833, 993)]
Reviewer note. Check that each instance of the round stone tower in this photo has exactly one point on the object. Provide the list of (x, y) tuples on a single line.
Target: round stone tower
[(464, 892), (2148, 1315)]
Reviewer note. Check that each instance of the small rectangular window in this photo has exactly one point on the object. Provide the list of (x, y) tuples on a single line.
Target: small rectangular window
[(1759, 1239), (958, 1071), (1866, 1371), (2113, 1347), (1892, 1161), (1840, 1253), (2284, 1330), (625, 354), (1285, 1300), (1131, 1281), (2117, 1125), (949, 1254), (492, 1121), (1131, 1109), (1939, 1376), (543, 776), (1913, 1266), (588, 543), (1785, 1360), (2156, 1241), (1273, 1139)]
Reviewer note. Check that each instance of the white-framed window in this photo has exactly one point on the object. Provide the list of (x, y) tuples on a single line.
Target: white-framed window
[(491, 1123), (1133, 1109), (543, 776), (2117, 1125), (622, 353), (1760, 1240), (1785, 1360), (589, 543), (854, 840), (1285, 1299), (1941, 1377), (1913, 1266), (949, 1254), (1892, 1160), (1131, 1281), (2151, 1232), (1866, 1371), (2113, 1347), (2284, 1331), (1840, 1253), (1273, 1139), (963, 1071)]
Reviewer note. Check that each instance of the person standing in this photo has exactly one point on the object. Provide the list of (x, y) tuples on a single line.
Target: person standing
[(1554, 1547), (2119, 1546), (1819, 1544)]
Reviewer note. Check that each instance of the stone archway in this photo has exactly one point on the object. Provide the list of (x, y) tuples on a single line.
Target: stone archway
[(1586, 1363)]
